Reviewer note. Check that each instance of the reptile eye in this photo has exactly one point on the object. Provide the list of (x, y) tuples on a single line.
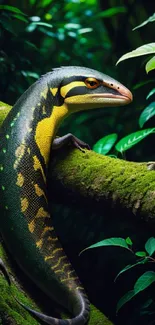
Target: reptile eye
[(92, 83)]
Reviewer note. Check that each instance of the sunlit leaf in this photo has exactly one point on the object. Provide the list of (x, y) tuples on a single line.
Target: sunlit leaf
[(41, 23), (144, 281), (30, 74), (142, 50), (149, 20), (35, 18), (132, 139), (150, 246), (105, 144), (84, 30), (127, 297), (72, 26), (150, 65), (12, 9), (148, 112), (140, 254), (120, 242), (152, 92), (111, 12)]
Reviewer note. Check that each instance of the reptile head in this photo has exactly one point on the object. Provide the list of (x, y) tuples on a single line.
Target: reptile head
[(83, 88)]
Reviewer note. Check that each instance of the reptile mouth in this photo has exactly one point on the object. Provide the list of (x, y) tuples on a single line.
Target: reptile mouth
[(125, 98)]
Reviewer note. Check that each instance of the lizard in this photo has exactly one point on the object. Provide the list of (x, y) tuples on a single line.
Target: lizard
[(27, 136)]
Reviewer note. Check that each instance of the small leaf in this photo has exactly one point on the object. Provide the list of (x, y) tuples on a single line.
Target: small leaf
[(132, 139), (152, 92), (129, 241), (109, 242), (144, 281), (150, 246), (149, 20), (12, 9), (105, 144), (128, 267), (127, 297), (150, 65), (140, 254), (148, 112), (142, 50), (30, 74)]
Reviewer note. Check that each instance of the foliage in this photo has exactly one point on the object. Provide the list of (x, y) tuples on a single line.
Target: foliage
[(146, 279), (37, 35), (132, 139)]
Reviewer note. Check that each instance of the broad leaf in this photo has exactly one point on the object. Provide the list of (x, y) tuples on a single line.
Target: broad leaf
[(150, 246), (152, 92), (144, 281), (105, 144), (149, 20), (148, 112), (142, 50), (127, 297), (132, 139), (120, 242), (150, 65)]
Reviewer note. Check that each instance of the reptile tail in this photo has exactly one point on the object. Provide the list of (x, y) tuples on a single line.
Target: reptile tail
[(80, 319)]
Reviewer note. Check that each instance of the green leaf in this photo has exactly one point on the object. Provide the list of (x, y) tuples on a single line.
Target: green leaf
[(19, 17), (12, 9), (150, 246), (142, 50), (132, 139), (140, 254), (30, 74), (127, 297), (129, 241), (152, 92), (128, 267), (72, 26), (105, 144), (111, 12), (150, 65), (144, 281), (149, 20), (41, 23), (148, 112), (109, 242), (84, 30)]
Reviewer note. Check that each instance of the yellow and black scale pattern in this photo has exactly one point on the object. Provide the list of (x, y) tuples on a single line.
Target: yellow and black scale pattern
[(26, 138)]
